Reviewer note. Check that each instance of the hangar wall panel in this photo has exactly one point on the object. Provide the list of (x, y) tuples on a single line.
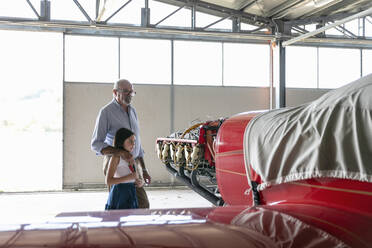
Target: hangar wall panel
[(210, 103), (296, 96)]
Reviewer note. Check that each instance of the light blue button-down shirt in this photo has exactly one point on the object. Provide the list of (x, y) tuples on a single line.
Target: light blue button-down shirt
[(111, 118)]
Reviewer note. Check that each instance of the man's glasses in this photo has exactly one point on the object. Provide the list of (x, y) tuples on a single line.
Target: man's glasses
[(127, 92)]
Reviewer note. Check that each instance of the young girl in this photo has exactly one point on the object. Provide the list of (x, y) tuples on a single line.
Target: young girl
[(121, 175)]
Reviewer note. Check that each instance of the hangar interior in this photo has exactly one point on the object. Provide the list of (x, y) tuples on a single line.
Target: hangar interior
[(188, 60)]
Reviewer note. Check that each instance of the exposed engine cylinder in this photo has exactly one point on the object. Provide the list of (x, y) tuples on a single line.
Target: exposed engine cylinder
[(188, 151), (165, 152), (158, 150), (180, 158), (195, 155)]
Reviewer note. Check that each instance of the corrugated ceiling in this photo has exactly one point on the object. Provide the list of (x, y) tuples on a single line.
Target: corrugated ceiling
[(294, 10)]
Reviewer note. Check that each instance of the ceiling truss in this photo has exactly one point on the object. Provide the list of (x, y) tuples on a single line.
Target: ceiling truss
[(264, 29)]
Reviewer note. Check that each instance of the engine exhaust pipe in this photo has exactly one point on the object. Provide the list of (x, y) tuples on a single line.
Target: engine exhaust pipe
[(201, 191)]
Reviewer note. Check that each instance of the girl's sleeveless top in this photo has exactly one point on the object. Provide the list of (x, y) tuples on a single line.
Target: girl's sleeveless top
[(123, 170)]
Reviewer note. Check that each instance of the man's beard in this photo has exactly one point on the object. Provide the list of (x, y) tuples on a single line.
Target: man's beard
[(127, 100)]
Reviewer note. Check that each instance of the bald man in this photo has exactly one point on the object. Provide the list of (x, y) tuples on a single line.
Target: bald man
[(117, 114)]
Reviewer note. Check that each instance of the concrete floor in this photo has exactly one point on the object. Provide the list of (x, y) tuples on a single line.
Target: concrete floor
[(17, 208)]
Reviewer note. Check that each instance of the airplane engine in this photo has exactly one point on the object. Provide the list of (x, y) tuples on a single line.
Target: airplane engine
[(190, 156), (208, 157)]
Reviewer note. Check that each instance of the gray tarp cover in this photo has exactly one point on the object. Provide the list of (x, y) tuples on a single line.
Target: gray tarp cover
[(329, 137)]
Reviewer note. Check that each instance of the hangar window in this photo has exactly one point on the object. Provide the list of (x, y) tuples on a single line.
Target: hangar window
[(129, 14), (197, 63), (161, 10), (91, 59), (338, 66), (367, 62), (310, 27), (246, 65), (248, 27), (353, 27), (31, 111), (334, 31), (368, 26), (301, 72), (68, 10), (349, 29), (145, 61), (18, 8), (204, 20)]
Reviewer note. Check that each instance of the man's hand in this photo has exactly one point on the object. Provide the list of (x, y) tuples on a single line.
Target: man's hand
[(147, 177), (139, 183), (132, 176), (127, 156)]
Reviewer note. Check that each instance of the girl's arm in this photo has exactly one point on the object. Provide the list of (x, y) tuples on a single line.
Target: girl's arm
[(113, 165)]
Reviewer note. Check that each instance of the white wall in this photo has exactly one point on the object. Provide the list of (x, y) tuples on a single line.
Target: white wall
[(82, 101)]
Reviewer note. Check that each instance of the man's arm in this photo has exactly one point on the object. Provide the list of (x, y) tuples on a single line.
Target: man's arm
[(98, 139), (99, 133), (109, 150), (146, 174)]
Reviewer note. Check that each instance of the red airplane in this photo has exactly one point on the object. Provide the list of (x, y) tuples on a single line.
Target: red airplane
[(291, 177)]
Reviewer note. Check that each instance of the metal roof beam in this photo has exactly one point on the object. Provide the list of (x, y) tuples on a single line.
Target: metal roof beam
[(368, 20), (345, 31), (320, 19), (119, 30), (213, 23), (82, 10), (320, 30), (117, 11), (97, 9), (33, 9), (221, 11), (337, 42), (130, 31), (181, 7), (299, 29), (334, 7)]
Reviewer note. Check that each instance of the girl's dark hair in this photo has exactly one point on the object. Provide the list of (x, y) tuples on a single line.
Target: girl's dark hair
[(121, 135)]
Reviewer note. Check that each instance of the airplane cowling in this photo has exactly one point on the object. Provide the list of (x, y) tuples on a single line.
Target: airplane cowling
[(230, 169)]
